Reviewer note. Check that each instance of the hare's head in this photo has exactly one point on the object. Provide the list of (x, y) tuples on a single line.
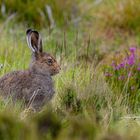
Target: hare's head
[(42, 62)]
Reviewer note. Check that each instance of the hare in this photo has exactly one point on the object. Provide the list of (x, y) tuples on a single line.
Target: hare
[(34, 86)]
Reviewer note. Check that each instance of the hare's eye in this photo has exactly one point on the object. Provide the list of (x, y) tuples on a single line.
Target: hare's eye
[(49, 61)]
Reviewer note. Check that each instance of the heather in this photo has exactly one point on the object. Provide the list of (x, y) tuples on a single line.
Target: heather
[(125, 76)]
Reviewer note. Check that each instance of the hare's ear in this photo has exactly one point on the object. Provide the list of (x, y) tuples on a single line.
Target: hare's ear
[(34, 41)]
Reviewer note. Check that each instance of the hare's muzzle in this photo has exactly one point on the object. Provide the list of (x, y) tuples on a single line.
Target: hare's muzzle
[(58, 69), (55, 69)]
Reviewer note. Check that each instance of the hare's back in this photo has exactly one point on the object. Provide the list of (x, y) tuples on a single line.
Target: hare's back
[(25, 83), (14, 82), (25, 86)]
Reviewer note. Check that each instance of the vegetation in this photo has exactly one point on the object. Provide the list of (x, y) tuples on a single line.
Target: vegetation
[(98, 88), (36, 12)]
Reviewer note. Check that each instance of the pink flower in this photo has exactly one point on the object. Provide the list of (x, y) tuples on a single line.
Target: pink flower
[(131, 59), (129, 74), (132, 49), (138, 68), (107, 74), (117, 67), (123, 64), (122, 77)]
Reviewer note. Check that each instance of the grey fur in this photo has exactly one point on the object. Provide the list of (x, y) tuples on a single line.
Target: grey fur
[(35, 85)]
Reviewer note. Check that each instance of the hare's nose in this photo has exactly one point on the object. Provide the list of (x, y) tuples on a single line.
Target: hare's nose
[(59, 68)]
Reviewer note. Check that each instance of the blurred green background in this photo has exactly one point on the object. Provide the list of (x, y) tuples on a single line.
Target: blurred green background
[(43, 13)]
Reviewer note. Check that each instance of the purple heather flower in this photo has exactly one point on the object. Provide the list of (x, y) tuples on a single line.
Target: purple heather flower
[(129, 74), (131, 60), (117, 67), (138, 68), (132, 49), (122, 77), (107, 74), (123, 64), (113, 64)]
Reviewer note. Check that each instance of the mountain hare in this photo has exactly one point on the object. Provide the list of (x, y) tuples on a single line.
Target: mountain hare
[(34, 86)]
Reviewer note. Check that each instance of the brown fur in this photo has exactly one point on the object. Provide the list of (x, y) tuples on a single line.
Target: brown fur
[(34, 85)]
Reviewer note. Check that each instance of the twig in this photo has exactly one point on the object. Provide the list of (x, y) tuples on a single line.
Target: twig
[(50, 16)]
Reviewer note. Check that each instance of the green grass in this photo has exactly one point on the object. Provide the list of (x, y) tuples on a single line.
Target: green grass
[(84, 106)]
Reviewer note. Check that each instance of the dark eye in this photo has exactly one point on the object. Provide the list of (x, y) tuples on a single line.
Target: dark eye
[(49, 61)]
